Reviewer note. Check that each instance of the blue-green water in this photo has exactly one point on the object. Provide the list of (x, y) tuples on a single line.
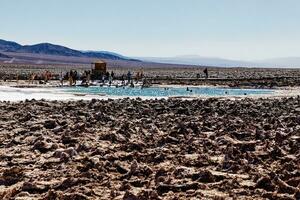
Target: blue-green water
[(167, 92)]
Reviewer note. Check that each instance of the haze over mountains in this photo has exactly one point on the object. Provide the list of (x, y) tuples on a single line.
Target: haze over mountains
[(46, 53), (292, 62), (198, 60)]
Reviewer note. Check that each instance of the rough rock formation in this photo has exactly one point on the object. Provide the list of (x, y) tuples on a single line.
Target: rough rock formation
[(154, 149)]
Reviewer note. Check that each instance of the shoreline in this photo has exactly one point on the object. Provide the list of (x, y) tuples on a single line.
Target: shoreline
[(52, 91)]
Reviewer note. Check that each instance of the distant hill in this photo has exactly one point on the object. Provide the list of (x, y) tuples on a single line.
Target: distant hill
[(91, 53), (116, 56), (49, 49), (292, 62), (9, 46), (56, 50), (199, 60)]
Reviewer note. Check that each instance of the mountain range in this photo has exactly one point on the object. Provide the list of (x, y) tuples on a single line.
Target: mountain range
[(46, 53), (13, 49)]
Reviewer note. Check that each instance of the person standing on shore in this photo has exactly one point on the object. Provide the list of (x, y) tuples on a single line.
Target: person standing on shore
[(32, 77), (46, 76), (123, 79), (128, 77), (137, 77), (112, 74), (61, 78), (71, 78), (88, 77), (205, 72), (75, 77), (142, 74), (17, 79), (107, 76)]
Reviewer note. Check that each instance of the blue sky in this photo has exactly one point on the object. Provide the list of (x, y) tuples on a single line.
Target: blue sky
[(235, 29)]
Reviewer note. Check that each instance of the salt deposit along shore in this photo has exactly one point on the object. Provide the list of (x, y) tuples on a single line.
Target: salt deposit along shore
[(150, 149), (13, 93)]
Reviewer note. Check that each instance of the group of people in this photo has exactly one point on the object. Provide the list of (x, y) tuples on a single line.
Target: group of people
[(73, 76), (45, 76), (86, 76), (108, 77), (129, 77)]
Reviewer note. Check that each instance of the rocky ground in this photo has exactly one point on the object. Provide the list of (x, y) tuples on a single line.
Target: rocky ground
[(154, 149)]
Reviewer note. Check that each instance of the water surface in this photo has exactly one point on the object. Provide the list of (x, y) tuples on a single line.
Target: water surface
[(167, 91)]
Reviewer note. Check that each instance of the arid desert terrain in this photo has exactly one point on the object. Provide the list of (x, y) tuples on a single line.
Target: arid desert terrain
[(153, 149)]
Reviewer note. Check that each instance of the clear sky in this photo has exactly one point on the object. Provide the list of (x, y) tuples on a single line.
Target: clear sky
[(236, 29)]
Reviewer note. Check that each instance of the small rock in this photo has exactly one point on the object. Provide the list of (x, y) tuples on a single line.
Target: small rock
[(265, 183), (50, 124)]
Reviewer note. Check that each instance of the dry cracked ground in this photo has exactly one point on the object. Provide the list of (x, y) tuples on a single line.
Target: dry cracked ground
[(154, 149)]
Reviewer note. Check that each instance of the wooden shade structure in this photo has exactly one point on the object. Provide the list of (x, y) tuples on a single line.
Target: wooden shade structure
[(99, 66), (98, 69)]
